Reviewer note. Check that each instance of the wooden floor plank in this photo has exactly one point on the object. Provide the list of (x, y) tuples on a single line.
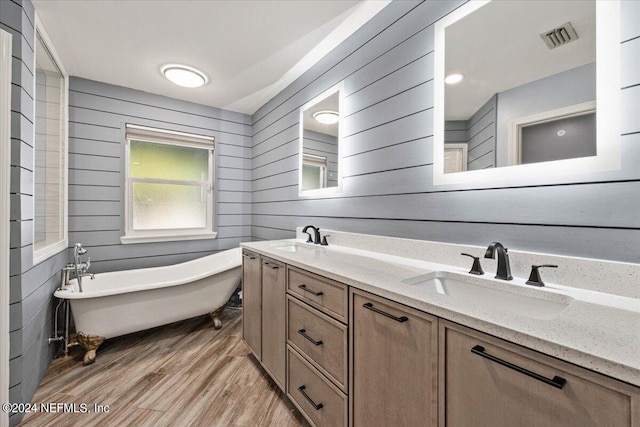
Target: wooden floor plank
[(182, 374)]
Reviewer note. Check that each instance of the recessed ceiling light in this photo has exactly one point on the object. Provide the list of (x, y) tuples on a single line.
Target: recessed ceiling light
[(183, 75), (452, 79), (327, 117)]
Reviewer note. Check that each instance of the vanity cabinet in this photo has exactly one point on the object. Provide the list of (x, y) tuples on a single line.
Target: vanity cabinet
[(491, 382), (273, 319), (263, 312), (317, 343), (252, 302), (348, 357), (393, 364)]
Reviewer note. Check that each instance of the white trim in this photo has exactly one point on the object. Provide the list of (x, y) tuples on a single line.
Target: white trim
[(464, 150), (516, 125), (180, 139), (162, 136), (48, 251), (608, 117), (326, 191), (5, 177)]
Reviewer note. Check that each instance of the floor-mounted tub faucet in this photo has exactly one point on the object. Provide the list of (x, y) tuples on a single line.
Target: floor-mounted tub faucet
[(504, 270), (78, 267)]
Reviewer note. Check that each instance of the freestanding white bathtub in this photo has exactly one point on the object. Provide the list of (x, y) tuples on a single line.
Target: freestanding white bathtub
[(121, 302)]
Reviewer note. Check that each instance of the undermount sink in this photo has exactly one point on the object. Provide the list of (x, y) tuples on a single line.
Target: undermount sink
[(293, 248), (516, 301)]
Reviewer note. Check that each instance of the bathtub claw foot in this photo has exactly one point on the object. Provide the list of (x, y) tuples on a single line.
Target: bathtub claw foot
[(215, 317), (90, 343)]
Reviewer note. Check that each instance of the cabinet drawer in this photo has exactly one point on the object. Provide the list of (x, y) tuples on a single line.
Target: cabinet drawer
[(488, 381), (326, 295), (319, 337), (319, 400)]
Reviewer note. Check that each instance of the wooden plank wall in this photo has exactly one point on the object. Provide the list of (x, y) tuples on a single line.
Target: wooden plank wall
[(32, 286), (98, 113), (387, 68)]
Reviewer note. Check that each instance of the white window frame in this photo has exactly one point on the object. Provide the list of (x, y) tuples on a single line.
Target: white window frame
[(516, 125), (321, 163), (46, 252), (180, 139)]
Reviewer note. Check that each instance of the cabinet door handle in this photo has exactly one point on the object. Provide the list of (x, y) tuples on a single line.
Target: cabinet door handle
[(249, 256), (306, 396), (271, 266), (304, 288), (370, 306), (304, 334), (556, 381)]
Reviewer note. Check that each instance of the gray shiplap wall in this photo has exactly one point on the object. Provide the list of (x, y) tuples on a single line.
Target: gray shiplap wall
[(98, 113), (387, 67), (32, 287)]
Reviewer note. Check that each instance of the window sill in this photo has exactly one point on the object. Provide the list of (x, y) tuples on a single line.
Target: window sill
[(126, 240), (47, 252)]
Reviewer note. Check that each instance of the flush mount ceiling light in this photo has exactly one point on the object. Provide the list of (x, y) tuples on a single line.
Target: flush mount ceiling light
[(327, 117), (452, 79), (183, 75)]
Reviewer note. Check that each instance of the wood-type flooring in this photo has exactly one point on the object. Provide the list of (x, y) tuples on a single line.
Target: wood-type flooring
[(182, 374)]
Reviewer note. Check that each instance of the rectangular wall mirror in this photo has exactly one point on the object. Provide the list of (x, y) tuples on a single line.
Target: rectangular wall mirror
[(320, 134), (526, 89)]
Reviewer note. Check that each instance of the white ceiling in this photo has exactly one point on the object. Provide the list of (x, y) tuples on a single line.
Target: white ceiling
[(249, 49), (498, 47)]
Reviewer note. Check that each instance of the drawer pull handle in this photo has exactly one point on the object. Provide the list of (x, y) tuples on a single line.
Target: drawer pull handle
[(304, 288), (303, 333), (370, 306), (556, 382), (306, 396), (249, 256), (271, 266)]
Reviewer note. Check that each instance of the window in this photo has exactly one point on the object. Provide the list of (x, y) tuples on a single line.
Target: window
[(314, 172), (50, 151), (169, 186)]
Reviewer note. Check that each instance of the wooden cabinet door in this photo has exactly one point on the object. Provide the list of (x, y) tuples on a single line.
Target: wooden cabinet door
[(486, 381), (251, 302), (273, 319), (393, 364)]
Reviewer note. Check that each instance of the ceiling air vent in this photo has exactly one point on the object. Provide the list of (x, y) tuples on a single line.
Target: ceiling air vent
[(559, 36)]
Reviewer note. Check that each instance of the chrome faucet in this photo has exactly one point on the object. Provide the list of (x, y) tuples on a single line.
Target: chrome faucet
[(504, 270), (316, 234), (78, 267)]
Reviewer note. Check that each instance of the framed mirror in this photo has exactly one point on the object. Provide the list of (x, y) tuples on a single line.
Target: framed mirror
[(526, 90), (320, 141)]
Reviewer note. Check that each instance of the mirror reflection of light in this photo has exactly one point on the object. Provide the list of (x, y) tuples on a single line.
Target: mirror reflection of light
[(327, 117), (561, 132), (452, 79)]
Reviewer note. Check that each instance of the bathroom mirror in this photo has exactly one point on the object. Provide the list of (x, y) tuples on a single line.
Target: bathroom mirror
[(320, 133), (526, 89)]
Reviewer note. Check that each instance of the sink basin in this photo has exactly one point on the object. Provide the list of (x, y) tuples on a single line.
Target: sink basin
[(294, 248), (517, 301)]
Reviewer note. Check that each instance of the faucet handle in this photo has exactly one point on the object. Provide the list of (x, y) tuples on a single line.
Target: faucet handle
[(476, 268), (534, 277), (309, 240), (324, 240)]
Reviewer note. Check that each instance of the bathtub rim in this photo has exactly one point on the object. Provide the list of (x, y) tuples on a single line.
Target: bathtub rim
[(71, 292)]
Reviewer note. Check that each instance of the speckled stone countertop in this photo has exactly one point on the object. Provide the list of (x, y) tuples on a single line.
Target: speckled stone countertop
[(596, 330)]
